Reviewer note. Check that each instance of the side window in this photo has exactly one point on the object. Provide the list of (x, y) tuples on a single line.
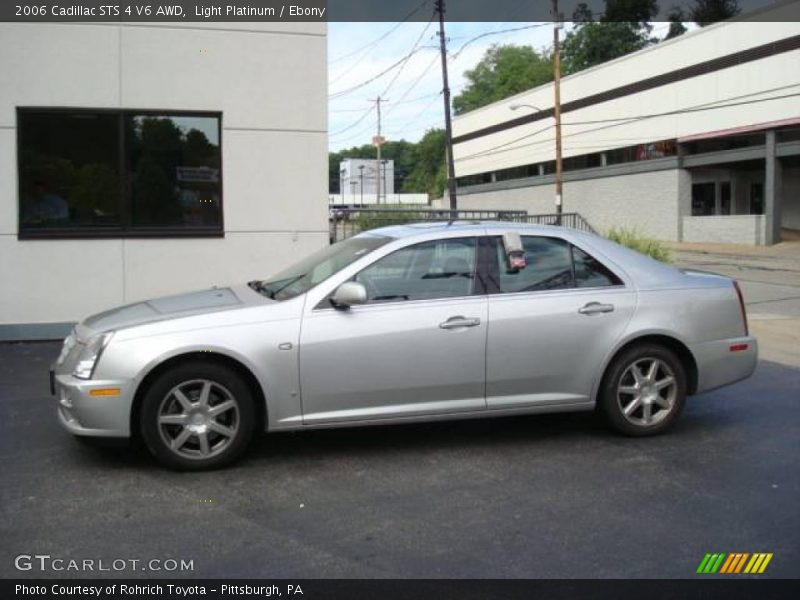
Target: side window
[(426, 271), (549, 266), (590, 273)]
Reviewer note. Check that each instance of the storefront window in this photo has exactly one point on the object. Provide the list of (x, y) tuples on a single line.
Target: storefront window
[(119, 173)]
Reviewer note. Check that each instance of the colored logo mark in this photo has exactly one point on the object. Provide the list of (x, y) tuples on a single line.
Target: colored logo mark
[(737, 562)]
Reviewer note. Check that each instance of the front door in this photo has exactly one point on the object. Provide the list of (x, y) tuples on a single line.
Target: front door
[(417, 347)]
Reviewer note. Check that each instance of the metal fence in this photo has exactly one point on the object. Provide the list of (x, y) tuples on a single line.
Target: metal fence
[(571, 220), (347, 222)]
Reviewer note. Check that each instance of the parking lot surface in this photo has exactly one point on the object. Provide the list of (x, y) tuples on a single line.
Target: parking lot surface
[(540, 496), (546, 496)]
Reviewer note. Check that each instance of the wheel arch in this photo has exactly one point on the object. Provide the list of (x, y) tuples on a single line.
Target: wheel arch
[(199, 356), (671, 342)]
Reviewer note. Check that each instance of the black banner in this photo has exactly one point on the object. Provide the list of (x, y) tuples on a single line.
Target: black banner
[(733, 588), (33, 11)]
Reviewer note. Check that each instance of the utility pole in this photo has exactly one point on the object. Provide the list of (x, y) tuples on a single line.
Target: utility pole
[(448, 127), (377, 141), (361, 184), (557, 110)]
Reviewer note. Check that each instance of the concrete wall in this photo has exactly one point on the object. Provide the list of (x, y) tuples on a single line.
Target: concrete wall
[(598, 127), (649, 202), (274, 154), (728, 229)]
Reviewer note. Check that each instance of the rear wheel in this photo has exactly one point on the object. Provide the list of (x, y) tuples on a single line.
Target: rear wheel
[(197, 416), (644, 390)]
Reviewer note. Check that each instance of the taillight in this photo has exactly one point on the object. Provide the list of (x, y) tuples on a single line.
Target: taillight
[(741, 305)]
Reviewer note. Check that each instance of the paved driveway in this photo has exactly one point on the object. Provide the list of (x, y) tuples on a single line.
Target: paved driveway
[(544, 496)]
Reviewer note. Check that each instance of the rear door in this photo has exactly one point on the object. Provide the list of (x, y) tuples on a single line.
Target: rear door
[(551, 324)]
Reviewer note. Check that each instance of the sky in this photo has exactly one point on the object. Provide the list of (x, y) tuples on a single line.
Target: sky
[(414, 95)]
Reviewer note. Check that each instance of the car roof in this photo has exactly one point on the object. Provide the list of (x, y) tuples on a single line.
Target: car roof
[(466, 227)]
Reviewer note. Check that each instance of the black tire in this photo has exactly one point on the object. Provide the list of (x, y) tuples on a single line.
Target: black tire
[(161, 400), (620, 375)]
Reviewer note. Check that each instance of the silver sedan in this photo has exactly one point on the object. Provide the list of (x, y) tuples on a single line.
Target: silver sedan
[(407, 323)]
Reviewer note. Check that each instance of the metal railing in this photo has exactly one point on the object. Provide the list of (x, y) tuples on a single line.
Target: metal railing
[(571, 220), (347, 222)]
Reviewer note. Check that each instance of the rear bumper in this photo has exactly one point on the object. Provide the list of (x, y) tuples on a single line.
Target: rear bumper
[(723, 362), (82, 413)]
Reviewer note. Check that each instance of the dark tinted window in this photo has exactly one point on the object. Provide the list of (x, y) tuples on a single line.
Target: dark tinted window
[(590, 273), (552, 263), (119, 172), (174, 166), (69, 171), (549, 266), (426, 271)]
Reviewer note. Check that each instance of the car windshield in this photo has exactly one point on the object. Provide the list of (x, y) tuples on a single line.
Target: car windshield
[(311, 271)]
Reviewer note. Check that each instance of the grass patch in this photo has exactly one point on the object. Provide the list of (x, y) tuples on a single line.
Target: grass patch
[(630, 238)]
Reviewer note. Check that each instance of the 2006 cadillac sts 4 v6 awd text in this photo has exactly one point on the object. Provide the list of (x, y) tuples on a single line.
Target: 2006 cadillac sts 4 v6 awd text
[(407, 323)]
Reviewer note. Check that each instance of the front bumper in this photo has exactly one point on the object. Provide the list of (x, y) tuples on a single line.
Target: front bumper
[(723, 362), (82, 413)]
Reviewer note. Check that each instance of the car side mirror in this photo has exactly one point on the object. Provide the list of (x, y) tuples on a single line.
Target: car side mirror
[(350, 293)]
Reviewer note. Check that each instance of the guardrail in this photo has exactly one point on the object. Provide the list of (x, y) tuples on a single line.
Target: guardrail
[(347, 222)]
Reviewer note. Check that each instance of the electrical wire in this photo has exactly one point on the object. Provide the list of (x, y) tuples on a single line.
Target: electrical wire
[(380, 38), (456, 54)]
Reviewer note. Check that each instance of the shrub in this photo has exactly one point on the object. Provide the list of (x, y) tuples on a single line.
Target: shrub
[(384, 218), (635, 240)]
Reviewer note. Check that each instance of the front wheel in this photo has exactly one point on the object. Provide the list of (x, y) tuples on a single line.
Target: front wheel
[(644, 390), (197, 416)]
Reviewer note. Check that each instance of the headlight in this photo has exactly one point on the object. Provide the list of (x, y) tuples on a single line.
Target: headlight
[(89, 355), (69, 343)]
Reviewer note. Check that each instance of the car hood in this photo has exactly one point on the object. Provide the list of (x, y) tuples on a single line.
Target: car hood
[(171, 307)]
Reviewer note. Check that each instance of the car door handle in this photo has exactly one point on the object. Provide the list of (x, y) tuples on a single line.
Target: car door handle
[(594, 308), (456, 322)]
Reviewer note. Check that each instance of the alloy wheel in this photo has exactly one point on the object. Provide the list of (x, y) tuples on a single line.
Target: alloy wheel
[(198, 419), (647, 392)]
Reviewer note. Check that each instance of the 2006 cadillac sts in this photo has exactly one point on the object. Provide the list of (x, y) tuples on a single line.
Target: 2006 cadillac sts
[(407, 323)]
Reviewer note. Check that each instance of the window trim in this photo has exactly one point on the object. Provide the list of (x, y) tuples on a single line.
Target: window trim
[(479, 287), (124, 230), (493, 271)]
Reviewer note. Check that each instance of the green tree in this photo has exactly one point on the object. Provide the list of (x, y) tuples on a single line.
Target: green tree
[(676, 18), (429, 174), (502, 72), (706, 12), (623, 28)]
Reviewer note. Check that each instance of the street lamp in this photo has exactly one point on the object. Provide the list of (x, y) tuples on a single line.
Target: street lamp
[(361, 179), (559, 170), (384, 161), (531, 106), (341, 183)]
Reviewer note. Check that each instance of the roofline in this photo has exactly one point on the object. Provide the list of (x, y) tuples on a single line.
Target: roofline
[(747, 17)]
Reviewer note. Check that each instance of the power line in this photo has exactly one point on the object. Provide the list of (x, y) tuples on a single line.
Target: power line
[(357, 122), (401, 101), (380, 38), (456, 54), (403, 66), (390, 68), (414, 84)]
